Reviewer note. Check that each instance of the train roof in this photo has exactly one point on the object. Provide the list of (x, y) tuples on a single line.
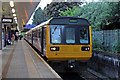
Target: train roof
[(68, 20), (63, 21), (40, 25)]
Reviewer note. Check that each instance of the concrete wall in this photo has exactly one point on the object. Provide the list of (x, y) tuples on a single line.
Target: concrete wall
[(106, 64)]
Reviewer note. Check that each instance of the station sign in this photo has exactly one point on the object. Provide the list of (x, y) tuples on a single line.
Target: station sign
[(7, 20)]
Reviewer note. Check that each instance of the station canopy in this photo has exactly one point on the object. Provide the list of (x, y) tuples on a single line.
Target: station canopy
[(22, 9)]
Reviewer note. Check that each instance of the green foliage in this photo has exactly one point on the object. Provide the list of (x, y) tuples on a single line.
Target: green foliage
[(38, 16), (71, 11), (116, 47), (97, 45), (98, 13), (54, 8)]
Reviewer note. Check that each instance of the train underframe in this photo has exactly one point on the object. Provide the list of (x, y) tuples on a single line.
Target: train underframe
[(68, 65)]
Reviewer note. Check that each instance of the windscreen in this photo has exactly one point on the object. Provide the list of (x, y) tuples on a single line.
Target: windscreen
[(65, 34)]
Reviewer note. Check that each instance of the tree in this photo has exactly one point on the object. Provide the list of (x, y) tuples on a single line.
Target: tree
[(100, 14), (39, 16), (71, 11), (53, 9)]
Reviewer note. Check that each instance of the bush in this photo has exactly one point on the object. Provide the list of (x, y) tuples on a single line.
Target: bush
[(116, 47), (97, 45)]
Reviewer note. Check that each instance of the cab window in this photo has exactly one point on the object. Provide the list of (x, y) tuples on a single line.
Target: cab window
[(56, 34), (84, 38)]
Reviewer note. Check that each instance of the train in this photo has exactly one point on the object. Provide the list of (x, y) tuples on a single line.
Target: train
[(62, 39)]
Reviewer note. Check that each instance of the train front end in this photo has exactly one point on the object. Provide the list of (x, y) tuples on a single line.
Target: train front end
[(68, 39)]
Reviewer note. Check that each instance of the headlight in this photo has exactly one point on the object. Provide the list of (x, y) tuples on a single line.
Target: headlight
[(85, 48), (54, 48)]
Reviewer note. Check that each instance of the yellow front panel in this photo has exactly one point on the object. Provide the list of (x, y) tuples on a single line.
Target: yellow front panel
[(67, 52)]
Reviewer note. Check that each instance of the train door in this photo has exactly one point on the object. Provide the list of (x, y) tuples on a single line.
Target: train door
[(43, 41), (40, 39)]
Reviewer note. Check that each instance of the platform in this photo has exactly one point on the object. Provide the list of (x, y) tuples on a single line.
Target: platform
[(21, 61)]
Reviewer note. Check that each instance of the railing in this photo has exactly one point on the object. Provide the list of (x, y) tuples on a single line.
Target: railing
[(107, 39)]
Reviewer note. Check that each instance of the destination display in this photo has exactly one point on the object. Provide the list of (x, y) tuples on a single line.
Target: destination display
[(7, 20)]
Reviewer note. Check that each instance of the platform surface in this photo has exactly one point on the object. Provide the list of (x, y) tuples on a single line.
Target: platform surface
[(20, 61)]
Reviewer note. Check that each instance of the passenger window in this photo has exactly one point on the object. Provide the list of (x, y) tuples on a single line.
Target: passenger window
[(84, 36), (70, 35)]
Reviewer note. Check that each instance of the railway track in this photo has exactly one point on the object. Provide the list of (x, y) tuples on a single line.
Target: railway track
[(83, 75), (89, 74), (70, 76), (76, 76)]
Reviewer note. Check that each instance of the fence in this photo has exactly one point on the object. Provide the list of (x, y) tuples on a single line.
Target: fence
[(107, 39)]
